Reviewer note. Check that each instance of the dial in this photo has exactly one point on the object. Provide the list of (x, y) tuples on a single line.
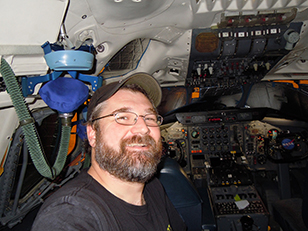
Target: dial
[(261, 159), (195, 134), (272, 134)]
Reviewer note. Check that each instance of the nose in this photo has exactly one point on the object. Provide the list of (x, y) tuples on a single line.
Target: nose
[(140, 127)]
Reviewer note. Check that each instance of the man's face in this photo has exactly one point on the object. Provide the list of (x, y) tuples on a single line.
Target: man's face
[(130, 153)]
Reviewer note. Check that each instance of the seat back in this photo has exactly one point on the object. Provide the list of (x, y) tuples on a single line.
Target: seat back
[(181, 192), (292, 213)]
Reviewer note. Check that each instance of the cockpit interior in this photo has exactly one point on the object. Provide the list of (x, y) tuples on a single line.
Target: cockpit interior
[(234, 78)]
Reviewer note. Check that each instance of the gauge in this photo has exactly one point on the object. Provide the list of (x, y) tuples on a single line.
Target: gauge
[(272, 134), (261, 159), (260, 138), (195, 134)]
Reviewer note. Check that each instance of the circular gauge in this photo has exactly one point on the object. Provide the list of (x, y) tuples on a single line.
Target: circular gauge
[(195, 134), (261, 159), (272, 134)]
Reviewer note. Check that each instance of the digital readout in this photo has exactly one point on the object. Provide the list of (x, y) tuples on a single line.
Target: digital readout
[(215, 119)]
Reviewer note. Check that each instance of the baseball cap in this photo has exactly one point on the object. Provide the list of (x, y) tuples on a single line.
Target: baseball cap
[(148, 83)]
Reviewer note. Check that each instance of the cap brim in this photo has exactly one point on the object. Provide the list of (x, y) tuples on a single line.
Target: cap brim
[(144, 80)]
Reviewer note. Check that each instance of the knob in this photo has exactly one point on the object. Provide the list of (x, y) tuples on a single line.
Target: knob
[(291, 37), (247, 223)]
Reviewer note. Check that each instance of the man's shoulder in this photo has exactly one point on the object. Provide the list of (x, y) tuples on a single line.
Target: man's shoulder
[(76, 204), (81, 181), (77, 189)]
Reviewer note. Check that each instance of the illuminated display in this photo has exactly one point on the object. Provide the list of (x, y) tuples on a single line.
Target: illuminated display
[(215, 119)]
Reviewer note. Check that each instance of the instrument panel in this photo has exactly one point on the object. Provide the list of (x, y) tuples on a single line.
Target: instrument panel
[(210, 143), (228, 151), (224, 58)]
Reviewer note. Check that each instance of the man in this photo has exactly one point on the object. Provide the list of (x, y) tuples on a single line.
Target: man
[(118, 192)]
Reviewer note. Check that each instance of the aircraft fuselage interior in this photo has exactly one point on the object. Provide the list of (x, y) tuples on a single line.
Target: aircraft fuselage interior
[(234, 79)]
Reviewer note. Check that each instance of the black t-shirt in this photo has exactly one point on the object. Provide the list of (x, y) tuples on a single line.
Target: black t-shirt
[(84, 204)]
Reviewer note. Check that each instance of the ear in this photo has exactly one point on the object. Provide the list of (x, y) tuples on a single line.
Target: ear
[(91, 133)]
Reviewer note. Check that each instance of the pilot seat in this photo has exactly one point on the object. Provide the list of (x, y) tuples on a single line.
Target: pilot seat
[(292, 213), (184, 196)]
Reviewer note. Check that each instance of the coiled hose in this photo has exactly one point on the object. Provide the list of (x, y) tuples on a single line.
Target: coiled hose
[(29, 129)]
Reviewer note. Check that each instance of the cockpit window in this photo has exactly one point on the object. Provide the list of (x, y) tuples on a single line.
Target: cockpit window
[(281, 97)]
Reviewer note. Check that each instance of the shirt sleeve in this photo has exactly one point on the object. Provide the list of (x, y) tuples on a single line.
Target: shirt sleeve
[(64, 217), (73, 214)]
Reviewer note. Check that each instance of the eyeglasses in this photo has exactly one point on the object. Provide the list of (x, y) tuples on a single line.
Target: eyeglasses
[(130, 118)]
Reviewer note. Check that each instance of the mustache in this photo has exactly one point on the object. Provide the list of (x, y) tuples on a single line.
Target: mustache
[(139, 140)]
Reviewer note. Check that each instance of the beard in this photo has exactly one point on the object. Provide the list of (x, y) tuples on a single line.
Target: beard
[(131, 166)]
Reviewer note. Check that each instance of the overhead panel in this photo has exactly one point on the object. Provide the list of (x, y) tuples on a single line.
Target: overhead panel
[(241, 50)]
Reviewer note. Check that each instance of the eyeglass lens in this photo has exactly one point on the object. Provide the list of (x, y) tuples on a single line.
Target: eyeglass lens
[(130, 118)]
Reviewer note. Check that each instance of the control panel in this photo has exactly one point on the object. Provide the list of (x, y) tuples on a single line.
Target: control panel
[(242, 205), (225, 200), (224, 151), (228, 57), (202, 141)]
